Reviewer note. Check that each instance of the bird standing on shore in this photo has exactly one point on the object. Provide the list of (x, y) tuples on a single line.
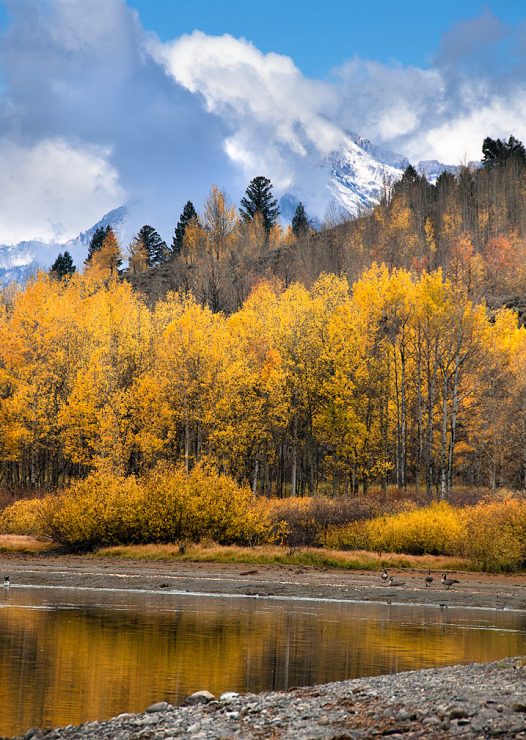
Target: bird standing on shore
[(6, 582), (385, 576), (429, 578), (448, 582)]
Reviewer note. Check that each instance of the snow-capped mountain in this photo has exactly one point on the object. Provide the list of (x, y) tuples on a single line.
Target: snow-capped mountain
[(353, 178), (18, 262)]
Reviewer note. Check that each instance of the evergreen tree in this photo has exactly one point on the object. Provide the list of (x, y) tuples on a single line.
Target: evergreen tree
[(62, 266), (258, 199), (97, 240), (497, 152), (410, 176), (301, 224), (154, 247), (188, 214)]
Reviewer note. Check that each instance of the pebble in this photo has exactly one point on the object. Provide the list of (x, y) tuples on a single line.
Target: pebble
[(390, 706), (198, 697), (160, 706)]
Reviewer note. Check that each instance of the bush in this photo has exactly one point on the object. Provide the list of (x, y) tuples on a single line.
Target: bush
[(101, 510), (202, 505), (166, 506), (307, 522), (432, 530), (23, 517), (496, 534)]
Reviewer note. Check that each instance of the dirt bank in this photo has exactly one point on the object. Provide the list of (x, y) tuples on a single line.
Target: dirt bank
[(74, 571)]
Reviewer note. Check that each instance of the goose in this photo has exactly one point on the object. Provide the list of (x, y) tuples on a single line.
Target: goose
[(448, 582), (396, 582), (6, 582), (384, 576), (429, 578)]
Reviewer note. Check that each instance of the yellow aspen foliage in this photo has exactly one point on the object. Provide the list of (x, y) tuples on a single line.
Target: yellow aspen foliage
[(106, 261)]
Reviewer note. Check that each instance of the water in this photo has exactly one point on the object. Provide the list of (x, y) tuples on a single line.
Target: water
[(70, 656)]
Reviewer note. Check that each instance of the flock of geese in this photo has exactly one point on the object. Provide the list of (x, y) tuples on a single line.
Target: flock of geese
[(386, 578), (445, 581)]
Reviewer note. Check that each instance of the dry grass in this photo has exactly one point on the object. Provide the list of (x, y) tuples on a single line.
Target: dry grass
[(23, 543), (266, 554)]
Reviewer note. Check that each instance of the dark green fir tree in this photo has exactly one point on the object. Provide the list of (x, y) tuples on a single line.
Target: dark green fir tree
[(155, 248), (63, 266), (498, 152), (259, 199), (301, 224), (96, 241), (187, 215)]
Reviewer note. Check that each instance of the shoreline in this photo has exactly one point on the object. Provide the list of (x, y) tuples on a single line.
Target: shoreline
[(276, 582), (477, 700), (471, 701)]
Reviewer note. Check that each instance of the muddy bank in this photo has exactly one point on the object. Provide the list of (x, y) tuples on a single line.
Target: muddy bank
[(475, 701), (272, 581)]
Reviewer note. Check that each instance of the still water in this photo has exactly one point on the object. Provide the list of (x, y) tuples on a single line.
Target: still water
[(69, 656)]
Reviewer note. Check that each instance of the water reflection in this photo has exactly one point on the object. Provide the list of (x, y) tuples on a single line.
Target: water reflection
[(67, 657)]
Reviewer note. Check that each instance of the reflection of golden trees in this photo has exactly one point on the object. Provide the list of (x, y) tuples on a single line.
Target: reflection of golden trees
[(66, 666)]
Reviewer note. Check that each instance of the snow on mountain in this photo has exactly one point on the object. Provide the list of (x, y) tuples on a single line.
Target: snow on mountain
[(357, 178), (354, 177), (18, 262)]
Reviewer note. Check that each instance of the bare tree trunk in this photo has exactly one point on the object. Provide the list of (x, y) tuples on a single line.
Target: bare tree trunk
[(186, 443), (420, 425), (293, 479), (443, 446), (454, 414)]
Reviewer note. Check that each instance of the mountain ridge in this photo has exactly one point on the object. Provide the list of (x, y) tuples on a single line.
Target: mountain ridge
[(356, 176)]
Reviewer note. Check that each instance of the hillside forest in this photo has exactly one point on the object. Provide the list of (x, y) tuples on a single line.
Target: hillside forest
[(381, 350)]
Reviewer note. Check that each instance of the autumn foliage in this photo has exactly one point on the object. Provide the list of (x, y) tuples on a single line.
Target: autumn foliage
[(398, 379)]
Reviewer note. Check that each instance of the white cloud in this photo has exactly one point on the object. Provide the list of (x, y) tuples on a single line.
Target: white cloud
[(94, 109), (52, 187), (279, 119)]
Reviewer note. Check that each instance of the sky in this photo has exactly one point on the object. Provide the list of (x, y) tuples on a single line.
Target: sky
[(322, 34), (104, 102)]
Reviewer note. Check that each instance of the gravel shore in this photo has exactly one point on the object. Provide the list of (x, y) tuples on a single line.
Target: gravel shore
[(474, 701)]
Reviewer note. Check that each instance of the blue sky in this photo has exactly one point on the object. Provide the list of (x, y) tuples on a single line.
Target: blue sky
[(100, 106), (321, 34)]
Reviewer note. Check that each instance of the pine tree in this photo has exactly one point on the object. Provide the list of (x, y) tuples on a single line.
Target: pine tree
[(258, 199), (497, 152), (62, 266), (155, 248), (187, 215), (301, 224), (97, 241)]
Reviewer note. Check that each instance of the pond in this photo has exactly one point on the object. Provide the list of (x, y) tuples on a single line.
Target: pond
[(69, 656)]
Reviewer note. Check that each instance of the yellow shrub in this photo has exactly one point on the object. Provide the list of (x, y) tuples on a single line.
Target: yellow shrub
[(100, 510), (23, 517), (202, 504), (496, 534), (166, 506), (433, 530)]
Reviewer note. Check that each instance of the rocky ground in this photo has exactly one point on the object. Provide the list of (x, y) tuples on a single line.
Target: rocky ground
[(475, 701), (273, 581)]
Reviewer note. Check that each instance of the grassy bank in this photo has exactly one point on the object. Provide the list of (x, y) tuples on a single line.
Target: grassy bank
[(159, 512), (268, 555)]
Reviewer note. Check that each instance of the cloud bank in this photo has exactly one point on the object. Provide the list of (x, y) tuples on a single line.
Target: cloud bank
[(95, 110)]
